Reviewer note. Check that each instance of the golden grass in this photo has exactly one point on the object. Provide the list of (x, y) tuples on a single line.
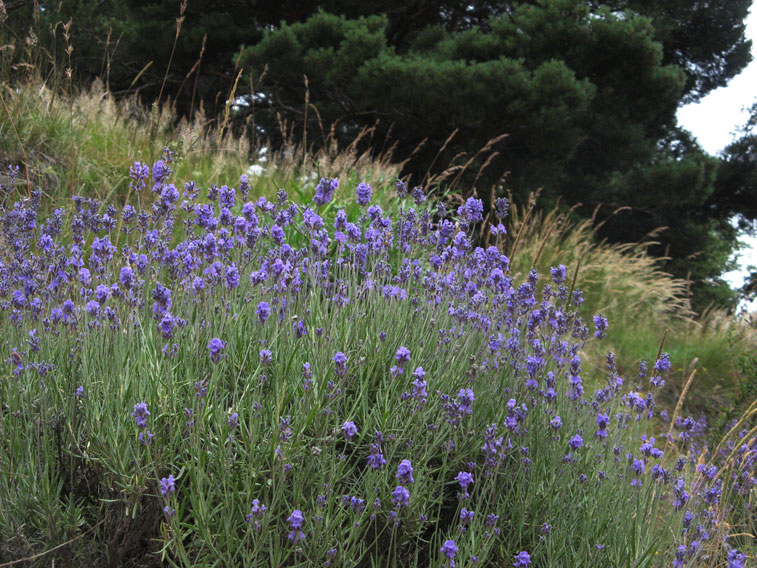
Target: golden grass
[(621, 279), (85, 145)]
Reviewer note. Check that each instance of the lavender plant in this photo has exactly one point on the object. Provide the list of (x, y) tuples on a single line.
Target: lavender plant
[(213, 381)]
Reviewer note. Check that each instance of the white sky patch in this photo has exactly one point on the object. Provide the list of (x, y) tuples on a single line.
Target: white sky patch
[(716, 119)]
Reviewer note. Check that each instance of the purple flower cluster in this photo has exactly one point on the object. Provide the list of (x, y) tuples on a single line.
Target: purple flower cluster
[(140, 414), (405, 472), (256, 264), (324, 191), (216, 347), (449, 550), (465, 480), (340, 363), (167, 486), (349, 429), (363, 193), (257, 511), (376, 459), (400, 497), (296, 521)]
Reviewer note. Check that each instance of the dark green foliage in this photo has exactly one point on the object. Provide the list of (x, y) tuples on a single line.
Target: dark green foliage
[(736, 187), (117, 39), (705, 39)]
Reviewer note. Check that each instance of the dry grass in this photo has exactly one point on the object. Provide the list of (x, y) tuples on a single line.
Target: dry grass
[(85, 145), (619, 279), (293, 162)]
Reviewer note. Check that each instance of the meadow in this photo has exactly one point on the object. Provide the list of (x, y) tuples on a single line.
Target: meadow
[(312, 362)]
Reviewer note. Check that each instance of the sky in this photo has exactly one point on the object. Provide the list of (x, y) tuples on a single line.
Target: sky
[(715, 121)]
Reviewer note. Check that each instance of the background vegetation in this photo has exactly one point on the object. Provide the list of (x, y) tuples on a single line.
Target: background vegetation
[(65, 478)]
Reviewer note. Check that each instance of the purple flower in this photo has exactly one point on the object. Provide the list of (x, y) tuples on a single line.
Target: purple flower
[(465, 399), (201, 388), (324, 191), (295, 521), (472, 211), (232, 276), (277, 234), (575, 442), (215, 347), (340, 222), (600, 325), (160, 171), (466, 516), (449, 549), (603, 420), (522, 560), (419, 386), (464, 479), (401, 188), (102, 249), (299, 329), (405, 472), (265, 356), (340, 361), (357, 504), (402, 356), (556, 423), (167, 486), (736, 559), (233, 421), (101, 293), (166, 325), (312, 220), (643, 369), (286, 430), (263, 311), (126, 277), (146, 437), (162, 297), (140, 414), (661, 366), (189, 415), (93, 308), (363, 193), (349, 429), (257, 511), (227, 196), (138, 173), (663, 363), (376, 459), (558, 274), (418, 195), (400, 497)]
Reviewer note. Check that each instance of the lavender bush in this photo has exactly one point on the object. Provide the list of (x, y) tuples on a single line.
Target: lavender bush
[(221, 381)]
